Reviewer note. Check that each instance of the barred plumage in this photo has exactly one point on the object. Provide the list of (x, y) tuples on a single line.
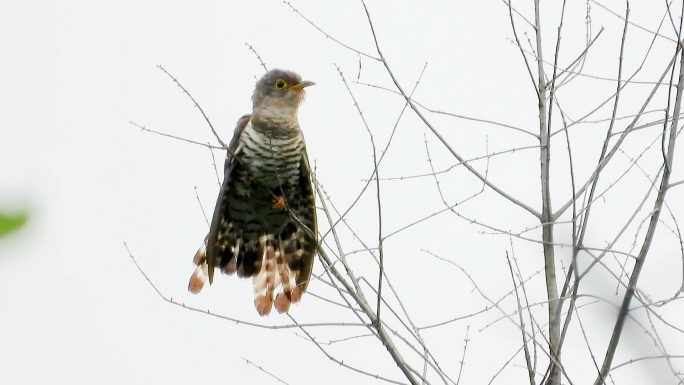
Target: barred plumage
[(264, 224)]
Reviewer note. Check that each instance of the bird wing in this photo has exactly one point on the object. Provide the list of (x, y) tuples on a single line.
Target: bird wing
[(308, 232), (235, 141), (231, 160), (204, 259)]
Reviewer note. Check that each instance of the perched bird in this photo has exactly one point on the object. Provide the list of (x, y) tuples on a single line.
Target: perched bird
[(264, 223)]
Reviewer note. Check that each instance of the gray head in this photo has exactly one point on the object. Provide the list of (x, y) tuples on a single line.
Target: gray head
[(279, 89)]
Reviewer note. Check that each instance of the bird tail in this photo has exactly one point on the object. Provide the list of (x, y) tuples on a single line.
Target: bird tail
[(201, 274), (269, 271), (273, 272)]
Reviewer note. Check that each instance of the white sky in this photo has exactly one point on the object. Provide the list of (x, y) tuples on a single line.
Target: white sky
[(73, 74)]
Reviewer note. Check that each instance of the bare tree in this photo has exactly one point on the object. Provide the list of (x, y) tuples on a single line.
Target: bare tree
[(588, 230)]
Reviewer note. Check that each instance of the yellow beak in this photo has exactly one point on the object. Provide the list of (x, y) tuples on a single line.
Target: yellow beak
[(303, 84)]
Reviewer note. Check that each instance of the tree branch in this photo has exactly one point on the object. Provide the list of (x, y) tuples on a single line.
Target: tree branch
[(641, 259)]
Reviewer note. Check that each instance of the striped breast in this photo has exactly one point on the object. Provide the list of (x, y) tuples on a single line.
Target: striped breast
[(273, 155)]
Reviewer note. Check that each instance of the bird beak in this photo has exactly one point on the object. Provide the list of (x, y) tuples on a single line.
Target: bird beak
[(303, 84)]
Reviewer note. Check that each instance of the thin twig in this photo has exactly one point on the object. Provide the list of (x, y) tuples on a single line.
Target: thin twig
[(264, 370), (213, 163), (236, 320), (437, 134), (530, 369), (471, 160), (656, 34), (414, 330), (517, 41), (196, 105), (257, 56), (143, 128), (202, 207), (377, 184), (624, 309), (617, 144), (459, 116), (341, 363), (465, 348), (326, 35), (363, 303)]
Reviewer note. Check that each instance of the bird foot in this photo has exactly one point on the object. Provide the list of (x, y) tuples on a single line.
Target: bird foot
[(279, 203)]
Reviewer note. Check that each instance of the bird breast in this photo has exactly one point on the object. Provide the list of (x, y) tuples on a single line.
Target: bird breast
[(273, 154)]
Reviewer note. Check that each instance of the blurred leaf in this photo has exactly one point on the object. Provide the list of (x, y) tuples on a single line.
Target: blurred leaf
[(10, 223)]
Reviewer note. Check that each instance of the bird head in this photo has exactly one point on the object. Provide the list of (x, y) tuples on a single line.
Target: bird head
[(278, 95)]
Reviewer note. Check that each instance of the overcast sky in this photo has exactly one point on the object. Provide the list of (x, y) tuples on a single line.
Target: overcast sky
[(73, 74)]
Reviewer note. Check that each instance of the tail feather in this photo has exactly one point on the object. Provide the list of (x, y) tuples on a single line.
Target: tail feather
[(272, 263), (201, 274)]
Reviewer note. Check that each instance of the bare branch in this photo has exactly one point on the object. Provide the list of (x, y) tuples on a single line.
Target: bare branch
[(264, 370), (326, 35), (459, 116), (624, 309), (522, 52), (196, 105), (465, 348), (618, 143), (257, 56), (631, 23), (363, 303), (341, 363), (377, 184), (201, 207), (471, 160), (437, 134), (236, 320), (530, 369), (143, 128), (547, 212)]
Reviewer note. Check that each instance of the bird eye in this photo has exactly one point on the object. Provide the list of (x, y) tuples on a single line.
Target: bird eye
[(280, 84)]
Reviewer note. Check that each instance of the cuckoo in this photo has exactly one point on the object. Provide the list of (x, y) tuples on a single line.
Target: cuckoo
[(264, 223)]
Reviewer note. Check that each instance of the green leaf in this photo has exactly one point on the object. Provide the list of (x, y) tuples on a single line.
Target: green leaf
[(10, 223)]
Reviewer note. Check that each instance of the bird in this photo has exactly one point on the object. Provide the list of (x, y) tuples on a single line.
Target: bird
[(264, 224)]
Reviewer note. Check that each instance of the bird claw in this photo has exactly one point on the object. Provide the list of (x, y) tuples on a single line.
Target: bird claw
[(279, 203)]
